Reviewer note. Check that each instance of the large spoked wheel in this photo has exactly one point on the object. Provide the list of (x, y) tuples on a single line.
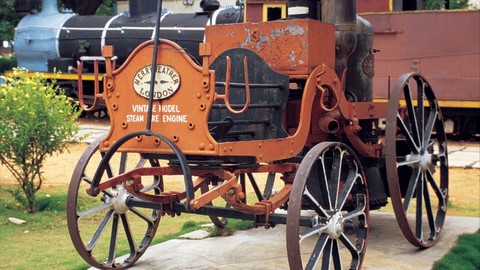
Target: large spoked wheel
[(329, 187), (103, 228), (416, 160)]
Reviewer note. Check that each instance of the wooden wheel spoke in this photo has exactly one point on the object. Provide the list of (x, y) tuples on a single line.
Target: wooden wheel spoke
[(403, 161), (123, 162), (108, 168), (101, 227), (150, 221), (319, 247), (321, 173), (335, 177), (113, 241), (429, 211), (312, 231), (337, 258), (430, 125), (327, 254), (347, 187), (414, 146), (267, 193), (254, 184), (441, 195), (412, 184), (128, 233), (317, 207), (419, 210), (350, 246), (142, 163), (412, 116), (420, 110), (94, 210), (359, 210)]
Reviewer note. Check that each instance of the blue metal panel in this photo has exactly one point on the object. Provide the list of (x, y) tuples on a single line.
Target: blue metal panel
[(36, 38)]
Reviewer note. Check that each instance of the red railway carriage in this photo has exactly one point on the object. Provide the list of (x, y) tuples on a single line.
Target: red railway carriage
[(441, 45)]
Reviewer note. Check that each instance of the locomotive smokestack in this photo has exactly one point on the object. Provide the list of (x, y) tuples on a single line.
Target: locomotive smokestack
[(343, 15), (49, 7)]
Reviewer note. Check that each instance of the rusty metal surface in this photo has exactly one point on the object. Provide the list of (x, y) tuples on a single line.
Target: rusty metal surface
[(181, 115), (292, 47), (180, 112)]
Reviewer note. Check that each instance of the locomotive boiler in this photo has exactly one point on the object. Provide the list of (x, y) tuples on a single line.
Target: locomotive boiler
[(49, 39), (274, 102)]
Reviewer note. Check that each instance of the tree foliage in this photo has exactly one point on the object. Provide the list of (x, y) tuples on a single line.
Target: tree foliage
[(106, 8), (36, 121), (440, 4), (9, 19)]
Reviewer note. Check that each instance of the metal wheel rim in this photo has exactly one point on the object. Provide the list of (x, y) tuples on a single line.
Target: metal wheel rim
[(121, 220), (424, 160), (355, 181)]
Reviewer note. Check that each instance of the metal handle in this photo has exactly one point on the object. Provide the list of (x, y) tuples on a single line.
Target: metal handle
[(225, 97)]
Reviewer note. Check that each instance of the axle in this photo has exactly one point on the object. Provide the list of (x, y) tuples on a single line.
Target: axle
[(178, 208)]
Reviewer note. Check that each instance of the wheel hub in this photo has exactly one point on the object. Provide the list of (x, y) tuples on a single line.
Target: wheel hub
[(335, 225), (424, 161), (119, 201)]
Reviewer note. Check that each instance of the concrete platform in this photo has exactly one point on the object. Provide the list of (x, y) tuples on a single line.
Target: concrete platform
[(464, 154), (265, 249)]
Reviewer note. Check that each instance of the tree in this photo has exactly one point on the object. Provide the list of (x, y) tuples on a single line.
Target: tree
[(36, 121), (440, 4), (8, 20)]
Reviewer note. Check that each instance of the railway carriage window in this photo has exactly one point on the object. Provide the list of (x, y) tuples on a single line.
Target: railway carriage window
[(274, 12), (401, 5)]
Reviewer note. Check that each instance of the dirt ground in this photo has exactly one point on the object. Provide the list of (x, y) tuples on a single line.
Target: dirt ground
[(58, 169)]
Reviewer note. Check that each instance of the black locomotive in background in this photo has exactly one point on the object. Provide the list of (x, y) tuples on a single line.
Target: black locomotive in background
[(448, 53)]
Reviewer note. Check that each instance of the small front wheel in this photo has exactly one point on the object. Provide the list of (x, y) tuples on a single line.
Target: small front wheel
[(102, 227)]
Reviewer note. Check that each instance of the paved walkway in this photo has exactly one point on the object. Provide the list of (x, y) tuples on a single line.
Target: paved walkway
[(464, 155), (265, 249)]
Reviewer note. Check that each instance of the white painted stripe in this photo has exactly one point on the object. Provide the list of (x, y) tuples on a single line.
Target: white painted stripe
[(105, 30)]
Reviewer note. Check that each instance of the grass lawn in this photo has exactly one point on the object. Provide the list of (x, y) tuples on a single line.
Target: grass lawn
[(43, 241), (465, 255)]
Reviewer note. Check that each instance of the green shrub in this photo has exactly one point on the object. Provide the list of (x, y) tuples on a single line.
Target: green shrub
[(7, 63), (36, 120), (47, 202)]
